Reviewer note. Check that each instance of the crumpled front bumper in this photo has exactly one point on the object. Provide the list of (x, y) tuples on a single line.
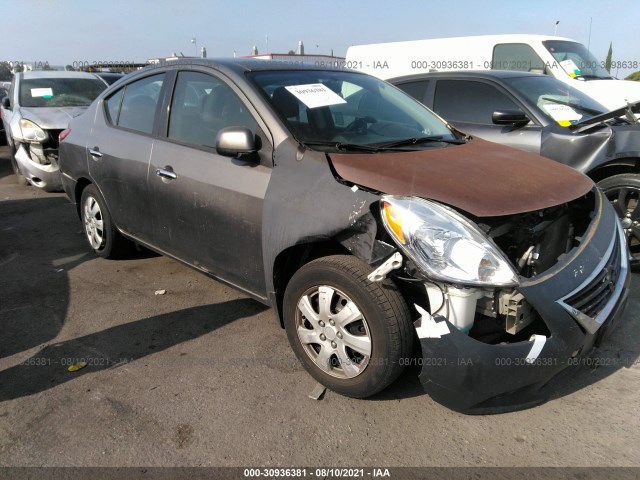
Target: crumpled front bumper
[(474, 377), (46, 177)]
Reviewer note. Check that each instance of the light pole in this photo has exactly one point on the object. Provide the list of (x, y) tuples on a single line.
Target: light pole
[(195, 42), (555, 31)]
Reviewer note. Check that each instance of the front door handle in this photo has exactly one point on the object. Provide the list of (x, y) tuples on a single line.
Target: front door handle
[(166, 172), (95, 152)]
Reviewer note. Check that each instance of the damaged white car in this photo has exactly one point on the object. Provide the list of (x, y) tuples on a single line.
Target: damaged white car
[(39, 107)]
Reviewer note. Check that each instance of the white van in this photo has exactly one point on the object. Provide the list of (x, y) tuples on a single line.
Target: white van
[(562, 58)]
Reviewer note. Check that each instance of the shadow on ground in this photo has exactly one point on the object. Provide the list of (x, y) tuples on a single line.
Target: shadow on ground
[(118, 345), (39, 243)]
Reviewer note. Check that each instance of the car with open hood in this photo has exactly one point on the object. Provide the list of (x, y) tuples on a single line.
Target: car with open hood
[(363, 219), (542, 115), (38, 107)]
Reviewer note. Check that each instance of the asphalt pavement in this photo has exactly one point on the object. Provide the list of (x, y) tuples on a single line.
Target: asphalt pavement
[(204, 376)]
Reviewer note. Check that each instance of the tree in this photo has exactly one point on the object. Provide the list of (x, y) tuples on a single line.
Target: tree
[(607, 62), (634, 76), (5, 72)]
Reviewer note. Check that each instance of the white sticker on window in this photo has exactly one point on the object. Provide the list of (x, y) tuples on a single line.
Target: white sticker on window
[(561, 112), (315, 95), (41, 92), (570, 67)]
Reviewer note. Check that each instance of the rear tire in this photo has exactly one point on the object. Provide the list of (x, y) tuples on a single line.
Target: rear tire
[(350, 334), (100, 232), (623, 191)]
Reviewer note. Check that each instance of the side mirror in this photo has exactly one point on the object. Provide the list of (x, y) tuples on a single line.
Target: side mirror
[(6, 103), (236, 141), (515, 118)]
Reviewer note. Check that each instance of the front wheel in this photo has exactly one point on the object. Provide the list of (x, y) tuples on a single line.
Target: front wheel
[(623, 191), (101, 233), (350, 334)]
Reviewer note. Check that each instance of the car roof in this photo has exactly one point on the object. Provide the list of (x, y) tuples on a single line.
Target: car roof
[(484, 74), (56, 74), (241, 65)]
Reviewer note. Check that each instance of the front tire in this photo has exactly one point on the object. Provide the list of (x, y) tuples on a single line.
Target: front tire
[(350, 334), (100, 232), (623, 191)]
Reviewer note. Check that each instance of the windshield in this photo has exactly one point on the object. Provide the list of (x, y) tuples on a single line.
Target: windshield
[(346, 111), (576, 60), (557, 100), (59, 92)]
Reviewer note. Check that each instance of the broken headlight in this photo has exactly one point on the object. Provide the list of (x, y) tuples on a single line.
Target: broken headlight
[(443, 244), (31, 132)]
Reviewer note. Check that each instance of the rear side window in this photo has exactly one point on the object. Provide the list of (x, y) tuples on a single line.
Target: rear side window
[(113, 106), (138, 108), (469, 101), (201, 106), (516, 56), (417, 90)]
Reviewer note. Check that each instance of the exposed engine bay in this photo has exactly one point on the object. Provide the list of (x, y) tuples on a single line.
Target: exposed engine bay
[(533, 242)]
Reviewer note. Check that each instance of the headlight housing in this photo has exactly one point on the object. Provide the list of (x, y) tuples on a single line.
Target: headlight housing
[(31, 132), (443, 244)]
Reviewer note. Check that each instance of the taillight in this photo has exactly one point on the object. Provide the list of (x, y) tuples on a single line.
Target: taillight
[(63, 134)]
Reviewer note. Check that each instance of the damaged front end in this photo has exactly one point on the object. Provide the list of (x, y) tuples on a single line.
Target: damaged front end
[(505, 308), (37, 156)]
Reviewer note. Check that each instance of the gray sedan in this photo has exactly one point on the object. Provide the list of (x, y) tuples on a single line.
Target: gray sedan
[(365, 221)]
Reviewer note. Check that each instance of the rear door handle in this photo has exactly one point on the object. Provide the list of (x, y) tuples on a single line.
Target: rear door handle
[(95, 152), (166, 172)]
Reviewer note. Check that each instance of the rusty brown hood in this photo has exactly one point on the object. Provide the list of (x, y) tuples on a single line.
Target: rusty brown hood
[(482, 178)]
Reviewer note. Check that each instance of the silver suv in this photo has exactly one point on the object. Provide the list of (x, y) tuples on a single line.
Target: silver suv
[(38, 107)]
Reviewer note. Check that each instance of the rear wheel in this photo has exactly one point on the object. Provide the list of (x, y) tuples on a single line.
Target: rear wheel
[(623, 191), (99, 230), (350, 334)]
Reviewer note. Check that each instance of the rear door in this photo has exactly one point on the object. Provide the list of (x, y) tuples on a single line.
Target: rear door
[(469, 106), (119, 152), (207, 208)]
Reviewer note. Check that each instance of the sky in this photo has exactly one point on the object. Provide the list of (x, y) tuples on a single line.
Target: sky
[(67, 31)]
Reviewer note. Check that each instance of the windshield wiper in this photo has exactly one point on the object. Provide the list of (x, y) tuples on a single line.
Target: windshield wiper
[(595, 77), (418, 140), (573, 105), (342, 146), (355, 147)]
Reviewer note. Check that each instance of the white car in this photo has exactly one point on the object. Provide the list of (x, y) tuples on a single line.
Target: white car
[(38, 107)]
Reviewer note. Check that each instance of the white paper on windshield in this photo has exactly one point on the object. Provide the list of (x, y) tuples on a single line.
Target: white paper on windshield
[(41, 92), (315, 95), (570, 67), (561, 112)]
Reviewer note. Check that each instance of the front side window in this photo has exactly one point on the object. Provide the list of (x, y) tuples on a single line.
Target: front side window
[(469, 101), (332, 110), (516, 56), (201, 106), (138, 108), (59, 92)]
